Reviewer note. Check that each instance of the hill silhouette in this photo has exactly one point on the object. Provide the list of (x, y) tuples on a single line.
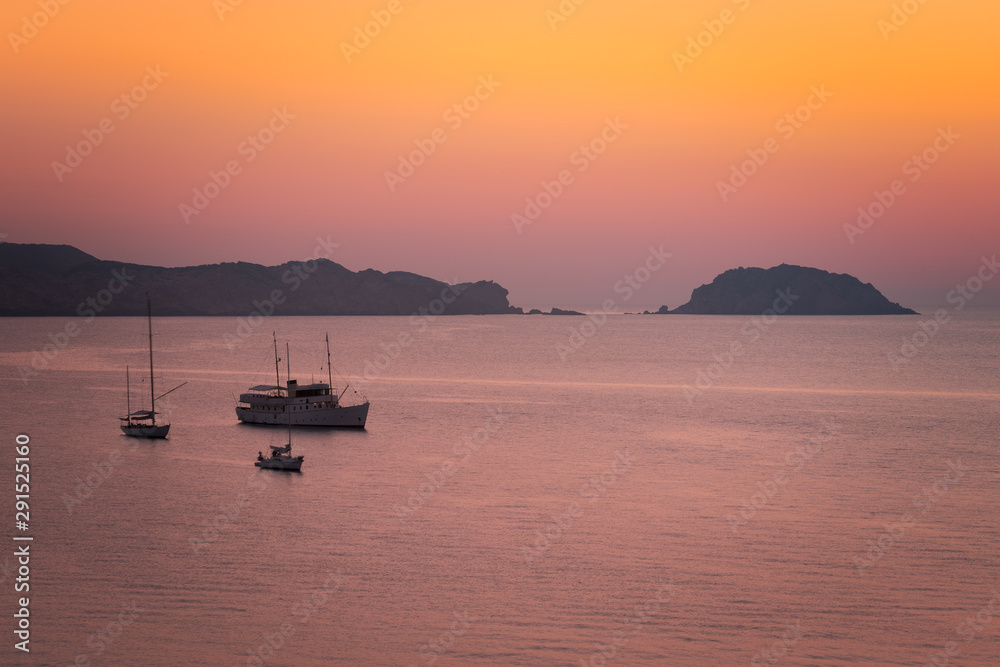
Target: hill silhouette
[(807, 291), (42, 280)]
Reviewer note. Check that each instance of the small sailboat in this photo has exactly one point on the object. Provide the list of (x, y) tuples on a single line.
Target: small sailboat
[(142, 423), (281, 458)]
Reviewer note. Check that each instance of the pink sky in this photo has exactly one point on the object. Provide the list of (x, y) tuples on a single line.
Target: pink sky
[(531, 92)]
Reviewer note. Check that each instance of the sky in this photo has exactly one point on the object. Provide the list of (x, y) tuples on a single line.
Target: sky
[(545, 145)]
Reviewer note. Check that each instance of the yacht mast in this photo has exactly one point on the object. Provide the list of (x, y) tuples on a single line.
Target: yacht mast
[(288, 400), (277, 377), (128, 397), (152, 392), (329, 367)]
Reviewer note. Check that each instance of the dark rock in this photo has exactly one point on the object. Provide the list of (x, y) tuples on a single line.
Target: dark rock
[(534, 311), (560, 311), (42, 257), (811, 291), (42, 280)]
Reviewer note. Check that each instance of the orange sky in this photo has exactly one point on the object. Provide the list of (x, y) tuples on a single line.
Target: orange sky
[(556, 85)]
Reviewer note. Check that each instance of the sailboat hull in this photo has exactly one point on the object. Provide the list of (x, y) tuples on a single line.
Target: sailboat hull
[(159, 431), (293, 464)]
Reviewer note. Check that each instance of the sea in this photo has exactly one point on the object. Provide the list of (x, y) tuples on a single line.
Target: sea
[(547, 490)]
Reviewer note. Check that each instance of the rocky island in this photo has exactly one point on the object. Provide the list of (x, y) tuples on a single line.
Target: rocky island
[(800, 290), (554, 311), (60, 280), (46, 280)]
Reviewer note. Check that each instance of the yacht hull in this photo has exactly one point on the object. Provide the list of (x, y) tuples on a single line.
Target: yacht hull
[(353, 416)]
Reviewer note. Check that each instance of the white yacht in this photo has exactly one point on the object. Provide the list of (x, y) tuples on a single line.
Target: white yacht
[(142, 423), (306, 405)]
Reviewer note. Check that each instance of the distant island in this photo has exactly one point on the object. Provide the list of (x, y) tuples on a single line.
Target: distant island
[(789, 290), (60, 280), (47, 280), (554, 311)]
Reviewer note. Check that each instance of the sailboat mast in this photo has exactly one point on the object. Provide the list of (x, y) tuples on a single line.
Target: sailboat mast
[(288, 399), (152, 391), (128, 396), (277, 376), (329, 367)]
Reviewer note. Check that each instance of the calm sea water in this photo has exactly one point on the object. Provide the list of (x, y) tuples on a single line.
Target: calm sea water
[(511, 505)]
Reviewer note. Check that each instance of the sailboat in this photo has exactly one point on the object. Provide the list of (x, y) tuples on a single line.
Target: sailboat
[(281, 458), (307, 405), (142, 423)]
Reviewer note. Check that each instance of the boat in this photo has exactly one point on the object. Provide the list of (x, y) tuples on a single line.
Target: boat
[(313, 404), (142, 423), (281, 458)]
